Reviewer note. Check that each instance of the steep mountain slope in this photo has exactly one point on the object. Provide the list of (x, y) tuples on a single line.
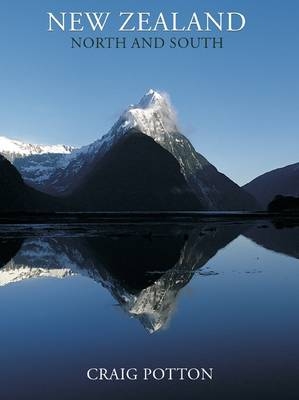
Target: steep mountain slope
[(62, 169), (17, 196), (284, 181), (135, 174), (154, 117), (38, 168)]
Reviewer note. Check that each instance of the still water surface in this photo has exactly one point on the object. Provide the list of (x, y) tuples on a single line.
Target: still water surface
[(211, 295)]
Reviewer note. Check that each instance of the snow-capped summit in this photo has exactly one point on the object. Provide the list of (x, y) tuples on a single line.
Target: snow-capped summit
[(153, 98), (153, 115)]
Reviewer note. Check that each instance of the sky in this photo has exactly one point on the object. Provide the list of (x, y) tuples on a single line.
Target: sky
[(238, 105)]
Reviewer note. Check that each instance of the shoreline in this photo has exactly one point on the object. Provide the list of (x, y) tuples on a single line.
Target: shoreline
[(140, 217)]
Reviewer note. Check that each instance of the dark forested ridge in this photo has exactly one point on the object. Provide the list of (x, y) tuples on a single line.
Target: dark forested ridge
[(282, 181)]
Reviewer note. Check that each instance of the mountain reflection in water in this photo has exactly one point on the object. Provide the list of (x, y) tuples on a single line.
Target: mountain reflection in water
[(144, 267)]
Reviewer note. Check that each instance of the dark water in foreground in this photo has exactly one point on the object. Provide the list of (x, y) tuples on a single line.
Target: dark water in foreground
[(215, 295)]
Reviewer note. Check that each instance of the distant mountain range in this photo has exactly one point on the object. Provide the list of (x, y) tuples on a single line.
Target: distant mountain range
[(13, 149), (17, 196), (281, 181), (36, 163), (142, 163)]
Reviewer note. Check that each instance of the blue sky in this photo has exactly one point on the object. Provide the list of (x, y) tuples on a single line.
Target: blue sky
[(238, 105)]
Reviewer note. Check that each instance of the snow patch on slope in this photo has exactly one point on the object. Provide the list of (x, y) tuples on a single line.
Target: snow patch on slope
[(26, 149)]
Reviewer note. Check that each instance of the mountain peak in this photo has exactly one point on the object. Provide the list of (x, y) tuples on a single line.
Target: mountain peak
[(153, 98), (153, 115)]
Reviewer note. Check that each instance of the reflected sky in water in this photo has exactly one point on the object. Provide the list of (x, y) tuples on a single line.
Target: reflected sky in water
[(211, 295)]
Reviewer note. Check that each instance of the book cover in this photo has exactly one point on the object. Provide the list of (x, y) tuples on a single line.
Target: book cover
[(149, 204)]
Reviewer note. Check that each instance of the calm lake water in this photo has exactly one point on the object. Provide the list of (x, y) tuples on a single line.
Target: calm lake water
[(210, 295)]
